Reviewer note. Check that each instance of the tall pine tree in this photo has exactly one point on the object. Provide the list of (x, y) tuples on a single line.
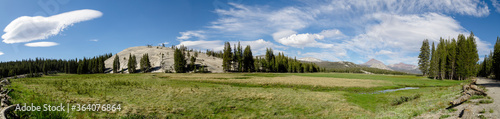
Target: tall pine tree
[(227, 57), (496, 59), (433, 70), (248, 61), (116, 64), (424, 58), (179, 61)]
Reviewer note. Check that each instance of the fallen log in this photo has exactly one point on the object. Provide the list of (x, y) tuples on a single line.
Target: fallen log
[(4, 111), (473, 81), (465, 87), (474, 87), (460, 100), (465, 96)]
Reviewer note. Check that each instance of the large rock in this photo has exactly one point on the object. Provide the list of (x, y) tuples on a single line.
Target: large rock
[(159, 64)]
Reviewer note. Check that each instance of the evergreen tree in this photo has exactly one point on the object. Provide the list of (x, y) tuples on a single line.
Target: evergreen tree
[(132, 64), (496, 59), (192, 64), (116, 64), (179, 61), (248, 61), (424, 58), (433, 63), (451, 58), (441, 50), (239, 57), (227, 57), (101, 65), (270, 60), (45, 68), (81, 67), (461, 60), (473, 55), (145, 65)]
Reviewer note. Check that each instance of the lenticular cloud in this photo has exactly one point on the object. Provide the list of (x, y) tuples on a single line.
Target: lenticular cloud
[(26, 28)]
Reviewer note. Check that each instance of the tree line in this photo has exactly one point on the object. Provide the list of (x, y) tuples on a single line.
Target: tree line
[(490, 66), (239, 60), (450, 58), (36, 67)]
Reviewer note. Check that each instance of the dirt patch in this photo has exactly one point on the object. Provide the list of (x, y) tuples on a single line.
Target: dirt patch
[(479, 106)]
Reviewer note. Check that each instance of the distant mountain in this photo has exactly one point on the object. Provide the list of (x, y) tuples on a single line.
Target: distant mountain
[(405, 68), (376, 64), (336, 65), (310, 59)]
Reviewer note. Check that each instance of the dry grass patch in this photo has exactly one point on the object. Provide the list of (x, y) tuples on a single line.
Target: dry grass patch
[(289, 80)]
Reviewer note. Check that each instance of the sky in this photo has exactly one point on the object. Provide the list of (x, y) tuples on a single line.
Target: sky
[(391, 31)]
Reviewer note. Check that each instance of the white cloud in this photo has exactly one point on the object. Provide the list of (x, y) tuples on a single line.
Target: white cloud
[(332, 33), (254, 21), (303, 40), (215, 45), (258, 46), (398, 37), (94, 40), (384, 52), (496, 5), (282, 34), (164, 43), (191, 34), (1, 53), (41, 44), (391, 30), (476, 8), (26, 28)]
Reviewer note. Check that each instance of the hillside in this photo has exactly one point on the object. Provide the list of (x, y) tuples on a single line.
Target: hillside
[(213, 64), (405, 68), (310, 59), (373, 63)]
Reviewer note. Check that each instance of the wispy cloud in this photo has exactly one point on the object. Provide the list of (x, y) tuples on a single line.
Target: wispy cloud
[(496, 5), (1, 53), (27, 28), (388, 29), (94, 40), (41, 44), (191, 34)]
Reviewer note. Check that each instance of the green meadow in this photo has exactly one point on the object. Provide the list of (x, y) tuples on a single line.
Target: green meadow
[(236, 95)]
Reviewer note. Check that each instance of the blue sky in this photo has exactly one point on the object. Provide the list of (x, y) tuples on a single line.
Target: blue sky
[(340, 30)]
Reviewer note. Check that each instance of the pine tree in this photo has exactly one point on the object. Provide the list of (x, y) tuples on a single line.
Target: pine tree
[(101, 66), (473, 56), (496, 59), (270, 60), (145, 65), (451, 58), (227, 57), (239, 57), (441, 50), (192, 64), (433, 63), (116, 64), (461, 58), (248, 61), (424, 58), (179, 61), (132, 64)]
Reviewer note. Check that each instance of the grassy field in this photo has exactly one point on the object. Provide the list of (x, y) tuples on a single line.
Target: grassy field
[(237, 95)]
